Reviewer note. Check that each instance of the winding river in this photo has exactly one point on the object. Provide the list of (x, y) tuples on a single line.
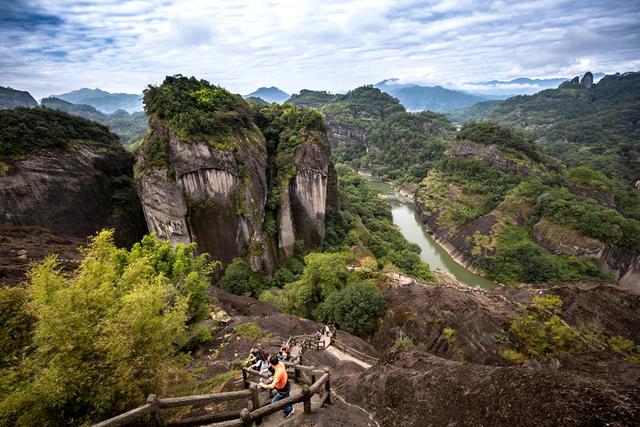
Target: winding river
[(406, 217)]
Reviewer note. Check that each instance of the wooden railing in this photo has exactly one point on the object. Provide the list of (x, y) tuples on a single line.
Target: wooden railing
[(314, 381), (353, 352), (306, 342)]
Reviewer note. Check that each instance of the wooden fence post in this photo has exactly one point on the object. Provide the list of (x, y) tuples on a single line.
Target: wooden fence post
[(245, 379), (307, 399), (156, 416), (245, 415), (255, 400), (327, 386)]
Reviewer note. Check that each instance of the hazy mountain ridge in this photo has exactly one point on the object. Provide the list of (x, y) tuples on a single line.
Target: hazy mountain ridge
[(433, 98), (104, 101), (130, 128), (269, 94)]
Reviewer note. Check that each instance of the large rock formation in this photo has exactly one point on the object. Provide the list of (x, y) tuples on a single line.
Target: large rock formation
[(216, 199), (247, 196), (624, 265), (587, 80), (303, 202), (75, 188)]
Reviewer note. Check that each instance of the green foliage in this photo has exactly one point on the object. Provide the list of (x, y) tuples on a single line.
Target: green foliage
[(625, 347), (494, 134), (26, 131), (590, 218), (355, 309), (478, 187), (130, 128), (539, 333), (402, 146), (16, 325), (583, 127), (248, 330), (517, 259), (311, 98), (472, 113), (105, 337), (365, 220), (240, 279), (323, 274), (197, 110)]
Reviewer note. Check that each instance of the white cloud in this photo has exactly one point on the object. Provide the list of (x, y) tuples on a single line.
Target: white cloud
[(333, 45)]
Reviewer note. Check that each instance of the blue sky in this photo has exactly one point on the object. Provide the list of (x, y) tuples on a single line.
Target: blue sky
[(53, 46)]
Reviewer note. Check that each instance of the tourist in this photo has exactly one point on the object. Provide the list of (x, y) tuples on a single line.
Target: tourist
[(280, 384), (262, 365)]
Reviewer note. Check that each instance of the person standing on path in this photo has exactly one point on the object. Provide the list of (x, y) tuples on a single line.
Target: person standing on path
[(280, 383)]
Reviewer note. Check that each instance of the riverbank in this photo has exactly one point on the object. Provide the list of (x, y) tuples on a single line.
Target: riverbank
[(434, 253)]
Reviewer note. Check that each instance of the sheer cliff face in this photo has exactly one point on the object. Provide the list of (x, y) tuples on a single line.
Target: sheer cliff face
[(73, 193), (303, 202), (217, 198)]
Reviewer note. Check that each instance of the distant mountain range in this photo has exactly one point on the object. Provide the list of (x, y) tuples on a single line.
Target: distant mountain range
[(501, 89), (130, 128), (434, 98), (270, 94), (104, 101)]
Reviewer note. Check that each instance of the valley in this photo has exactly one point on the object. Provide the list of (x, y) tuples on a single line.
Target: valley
[(236, 223)]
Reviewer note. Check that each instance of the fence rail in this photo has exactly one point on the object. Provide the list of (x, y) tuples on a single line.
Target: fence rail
[(315, 381), (353, 352)]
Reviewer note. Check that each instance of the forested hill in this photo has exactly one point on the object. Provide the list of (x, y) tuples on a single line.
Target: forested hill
[(12, 98), (509, 210), (371, 130), (130, 128), (595, 125)]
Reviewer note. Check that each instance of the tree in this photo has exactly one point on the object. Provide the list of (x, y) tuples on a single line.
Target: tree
[(355, 309), (107, 336), (239, 278)]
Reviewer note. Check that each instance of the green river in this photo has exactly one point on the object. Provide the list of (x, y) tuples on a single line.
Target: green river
[(406, 217)]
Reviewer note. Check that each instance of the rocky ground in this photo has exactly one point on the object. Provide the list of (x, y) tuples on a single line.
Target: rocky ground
[(420, 389)]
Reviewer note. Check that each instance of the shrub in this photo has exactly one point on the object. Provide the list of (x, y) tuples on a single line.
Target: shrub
[(539, 333), (248, 330), (107, 336), (240, 279), (356, 309)]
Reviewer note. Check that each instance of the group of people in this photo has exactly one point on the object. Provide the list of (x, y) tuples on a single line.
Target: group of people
[(325, 330), (264, 363)]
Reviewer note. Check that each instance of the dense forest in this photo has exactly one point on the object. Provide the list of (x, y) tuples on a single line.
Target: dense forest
[(27, 131), (130, 128), (394, 144), (521, 201), (594, 127)]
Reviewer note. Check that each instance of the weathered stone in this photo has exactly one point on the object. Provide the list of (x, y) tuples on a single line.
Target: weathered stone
[(587, 80), (70, 193)]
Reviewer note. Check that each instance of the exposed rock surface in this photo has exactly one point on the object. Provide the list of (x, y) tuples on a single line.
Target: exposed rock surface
[(411, 388), (342, 133), (461, 380), (21, 246), (587, 80), (562, 240), (74, 193), (219, 197)]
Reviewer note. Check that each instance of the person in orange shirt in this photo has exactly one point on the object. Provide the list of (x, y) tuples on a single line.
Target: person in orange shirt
[(280, 383)]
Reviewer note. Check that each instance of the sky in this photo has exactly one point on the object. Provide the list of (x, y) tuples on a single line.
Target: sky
[(54, 46)]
